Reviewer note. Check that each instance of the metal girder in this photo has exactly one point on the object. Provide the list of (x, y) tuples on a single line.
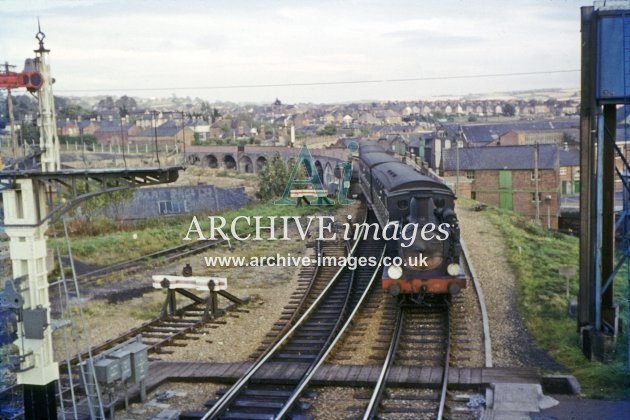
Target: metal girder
[(597, 313), (73, 186)]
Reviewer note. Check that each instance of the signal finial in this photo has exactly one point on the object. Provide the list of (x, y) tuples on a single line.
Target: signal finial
[(40, 37)]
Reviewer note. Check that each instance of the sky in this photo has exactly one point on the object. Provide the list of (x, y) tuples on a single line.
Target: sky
[(319, 51)]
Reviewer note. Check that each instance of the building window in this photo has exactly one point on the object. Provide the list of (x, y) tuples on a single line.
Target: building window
[(473, 195), (576, 174), (172, 207), (563, 171), (533, 175), (470, 174), (534, 197)]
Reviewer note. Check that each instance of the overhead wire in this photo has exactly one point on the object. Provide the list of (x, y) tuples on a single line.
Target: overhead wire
[(329, 83)]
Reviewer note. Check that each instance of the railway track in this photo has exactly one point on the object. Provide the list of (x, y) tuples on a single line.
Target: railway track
[(176, 329), (187, 323), (438, 336), (306, 344), (136, 264), (417, 334), (313, 280)]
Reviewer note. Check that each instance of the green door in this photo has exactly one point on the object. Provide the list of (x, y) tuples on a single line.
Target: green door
[(505, 190)]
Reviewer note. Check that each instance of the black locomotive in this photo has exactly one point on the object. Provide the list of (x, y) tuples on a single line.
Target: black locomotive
[(416, 211)]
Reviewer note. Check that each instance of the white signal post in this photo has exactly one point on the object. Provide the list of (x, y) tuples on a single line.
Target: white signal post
[(25, 211)]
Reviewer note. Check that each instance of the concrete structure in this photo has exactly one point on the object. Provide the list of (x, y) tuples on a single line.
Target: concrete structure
[(164, 201)]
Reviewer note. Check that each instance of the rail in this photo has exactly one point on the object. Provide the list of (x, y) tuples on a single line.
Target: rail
[(379, 388)]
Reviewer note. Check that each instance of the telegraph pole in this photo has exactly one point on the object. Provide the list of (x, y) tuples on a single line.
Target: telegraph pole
[(10, 112), (536, 152)]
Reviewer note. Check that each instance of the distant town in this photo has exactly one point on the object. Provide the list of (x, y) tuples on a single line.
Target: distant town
[(535, 172)]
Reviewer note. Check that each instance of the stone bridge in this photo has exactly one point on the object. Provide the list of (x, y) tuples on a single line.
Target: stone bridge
[(251, 159)]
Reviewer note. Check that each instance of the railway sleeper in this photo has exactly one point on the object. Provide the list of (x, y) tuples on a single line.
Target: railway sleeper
[(257, 403), (307, 341), (290, 357), (173, 344), (300, 349), (429, 344), (426, 357), (324, 326)]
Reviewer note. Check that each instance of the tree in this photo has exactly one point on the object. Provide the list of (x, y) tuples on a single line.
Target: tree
[(328, 130), (116, 199), (73, 112), (272, 178), (106, 104), (29, 132), (3, 111), (508, 109), (126, 105), (227, 131), (23, 106), (60, 102)]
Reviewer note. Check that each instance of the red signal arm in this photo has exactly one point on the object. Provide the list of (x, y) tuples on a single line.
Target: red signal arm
[(31, 80)]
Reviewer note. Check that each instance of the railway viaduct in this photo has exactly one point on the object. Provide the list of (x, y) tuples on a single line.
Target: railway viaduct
[(251, 159)]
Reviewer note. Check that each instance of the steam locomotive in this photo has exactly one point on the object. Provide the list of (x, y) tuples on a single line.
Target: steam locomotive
[(405, 201)]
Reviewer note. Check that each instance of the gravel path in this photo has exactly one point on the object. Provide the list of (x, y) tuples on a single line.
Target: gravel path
[(512, 345)]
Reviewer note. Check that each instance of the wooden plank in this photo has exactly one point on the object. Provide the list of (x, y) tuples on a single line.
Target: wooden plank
[(242, 368), (266, 371), (339, 374), (401, 375), (272, 371), (453, 376), (321, 373), (464, 376), (188, 370), (414, 374), (363, 379), (425, 375), (220, 369), (436, 375), (231, 372), (353, 374), (297, 372), (476, 376)]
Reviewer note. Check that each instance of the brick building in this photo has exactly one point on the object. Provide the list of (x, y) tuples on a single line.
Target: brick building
[(505, 177)]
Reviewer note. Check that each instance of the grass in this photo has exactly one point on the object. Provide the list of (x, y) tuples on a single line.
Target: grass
[(108, 247), (535, 254)]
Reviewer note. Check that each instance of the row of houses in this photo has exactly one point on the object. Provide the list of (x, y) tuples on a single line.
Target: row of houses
[(531, 167), (123, 132)]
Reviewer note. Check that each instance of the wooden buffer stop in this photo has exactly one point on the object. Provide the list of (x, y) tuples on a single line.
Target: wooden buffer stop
[(183, 285)]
